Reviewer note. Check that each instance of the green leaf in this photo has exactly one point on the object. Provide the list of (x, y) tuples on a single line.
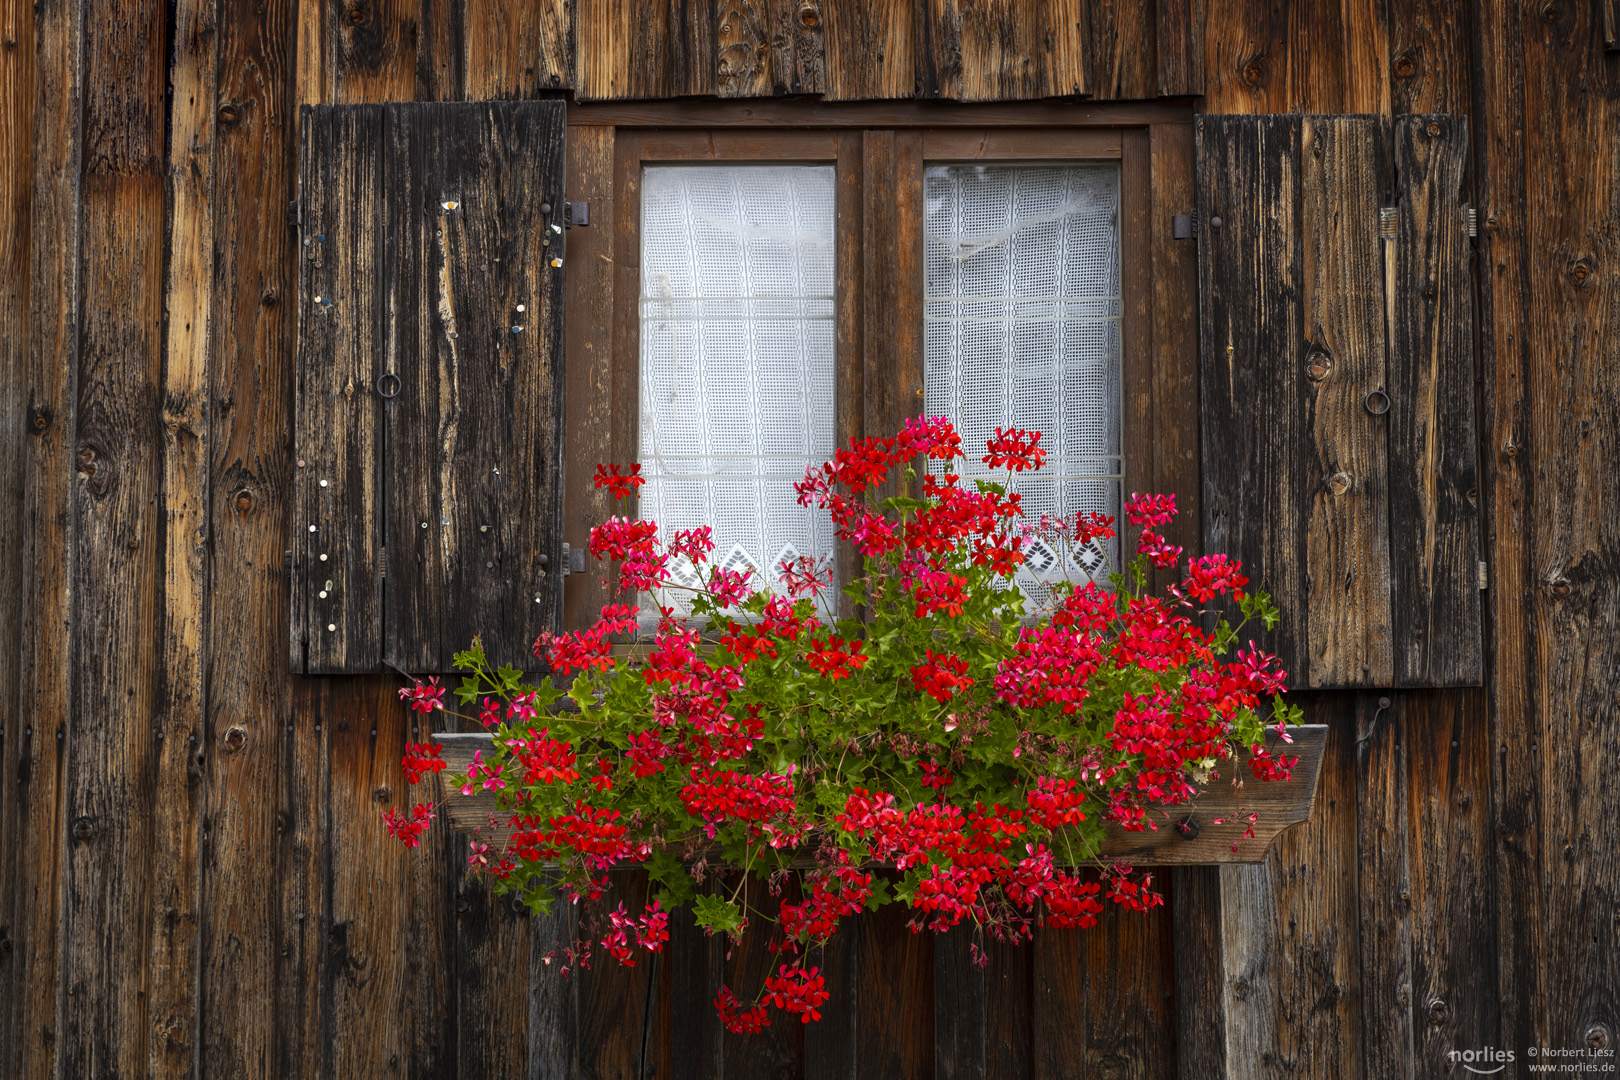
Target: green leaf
[(717, 914)]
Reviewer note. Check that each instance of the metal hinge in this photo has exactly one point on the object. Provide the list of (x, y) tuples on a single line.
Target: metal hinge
[(1183, 226), (1473, 222), (1484, 575), (573, 560), (576, 213), (384, 561)]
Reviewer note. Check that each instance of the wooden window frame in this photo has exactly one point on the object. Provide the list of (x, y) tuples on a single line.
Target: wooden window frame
[(879, 153)]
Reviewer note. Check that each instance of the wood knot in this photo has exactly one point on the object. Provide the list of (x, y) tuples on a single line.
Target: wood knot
[(39, 420), (1550, 12), (1438, 1011), (228, 116), (235, 739), (1580, 273), (270, 298), (356, 15), (1318, 363), (809, 16), (1560, 586), (1254, 73), (1340, 483), (244, 500), (84, 828), (1597, 1037), (1433, 129), (1404, 67), (383, 794)]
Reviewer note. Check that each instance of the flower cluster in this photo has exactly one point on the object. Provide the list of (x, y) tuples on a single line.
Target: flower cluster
[(953, 744)]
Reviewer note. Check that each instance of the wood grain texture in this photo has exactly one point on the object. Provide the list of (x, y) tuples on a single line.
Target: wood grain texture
[(1179, 35), (1556, 804), (471, 311), (1118, 47), (16, 200), (1434, 495), (661, 49), (1343, 170), (1429, 56), (894, 991), (372, 49), (871, 50), (116, 504), (1249, 338), (517, 48), (336, 427), (1311, 57), (1288, 933), (588, 363), (892, 279), (618, 1006), (257, 956), (821, 114), (1174, 363), (173, 990), (1008, 50)]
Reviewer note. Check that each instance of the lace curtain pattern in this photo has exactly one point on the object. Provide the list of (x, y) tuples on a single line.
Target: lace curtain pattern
[(1022, 324), (737, 343)]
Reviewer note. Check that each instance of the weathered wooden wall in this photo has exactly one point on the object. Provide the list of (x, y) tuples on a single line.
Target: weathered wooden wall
[(192, 880)]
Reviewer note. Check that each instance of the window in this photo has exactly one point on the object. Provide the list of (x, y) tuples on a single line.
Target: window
[(753, 293)]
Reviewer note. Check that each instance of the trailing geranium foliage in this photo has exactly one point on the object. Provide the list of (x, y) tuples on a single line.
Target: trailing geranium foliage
[(966, 738)]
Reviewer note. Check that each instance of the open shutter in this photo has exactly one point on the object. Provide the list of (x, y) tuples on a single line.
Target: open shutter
[(429, 412), (1337, 381)]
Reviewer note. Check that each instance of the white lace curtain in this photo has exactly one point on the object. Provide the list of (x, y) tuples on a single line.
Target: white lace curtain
[(737, 342), (1022, 322)]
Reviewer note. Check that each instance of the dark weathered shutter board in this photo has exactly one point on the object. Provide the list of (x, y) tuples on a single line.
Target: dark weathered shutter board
[(429, 426), (1337, 381)]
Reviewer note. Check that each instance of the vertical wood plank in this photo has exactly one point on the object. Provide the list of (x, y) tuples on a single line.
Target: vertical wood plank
[(778, 1051), (1382, 836), (299, 1037), (336, 429), (894, 1036), (1140, 429), (834, 1052), (697, 1045), (1557, 799), (1433, 481), (16, 200), (472, 322), (492, 976), (1005, 50), (766, 48), (1179, 36), (1307, 57), (850, 355), (173, 1022), (1009, 1011), (1289, 933), (441, 51), (553, 1000), (798, 50), (961, 1002), (1120, 49), (1430, 63), (1510, 420), (892, 275), (518, 48), (118, 536), (588, 362), (260, 791), (1200, 972), (616, 1003), (1249, 337), (870, 48), (1174, 363), (1342, 173), (655, 50), (624, 408), (373, 49)]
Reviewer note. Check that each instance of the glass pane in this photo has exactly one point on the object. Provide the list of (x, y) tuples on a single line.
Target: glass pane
[(1022, 329), (737, 357)]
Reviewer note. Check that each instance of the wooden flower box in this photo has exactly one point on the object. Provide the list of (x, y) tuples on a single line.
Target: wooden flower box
[(1280, 805)]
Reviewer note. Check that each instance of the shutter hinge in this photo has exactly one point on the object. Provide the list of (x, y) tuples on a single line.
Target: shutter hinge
[(1386, 223), (1484, 575), (1473, 222), (295, 216), (573, 560), (384, 561), (287, 559), (576, 213), (1183, 226)]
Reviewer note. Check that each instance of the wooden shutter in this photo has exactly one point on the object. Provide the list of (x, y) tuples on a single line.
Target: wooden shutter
[(429, 399), (1334, 275)]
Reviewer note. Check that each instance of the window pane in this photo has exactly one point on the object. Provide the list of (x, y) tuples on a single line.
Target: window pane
[(737, 357), (1022, 324)]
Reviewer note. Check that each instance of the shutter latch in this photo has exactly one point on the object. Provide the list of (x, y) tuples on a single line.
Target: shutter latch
[(576, 213)]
